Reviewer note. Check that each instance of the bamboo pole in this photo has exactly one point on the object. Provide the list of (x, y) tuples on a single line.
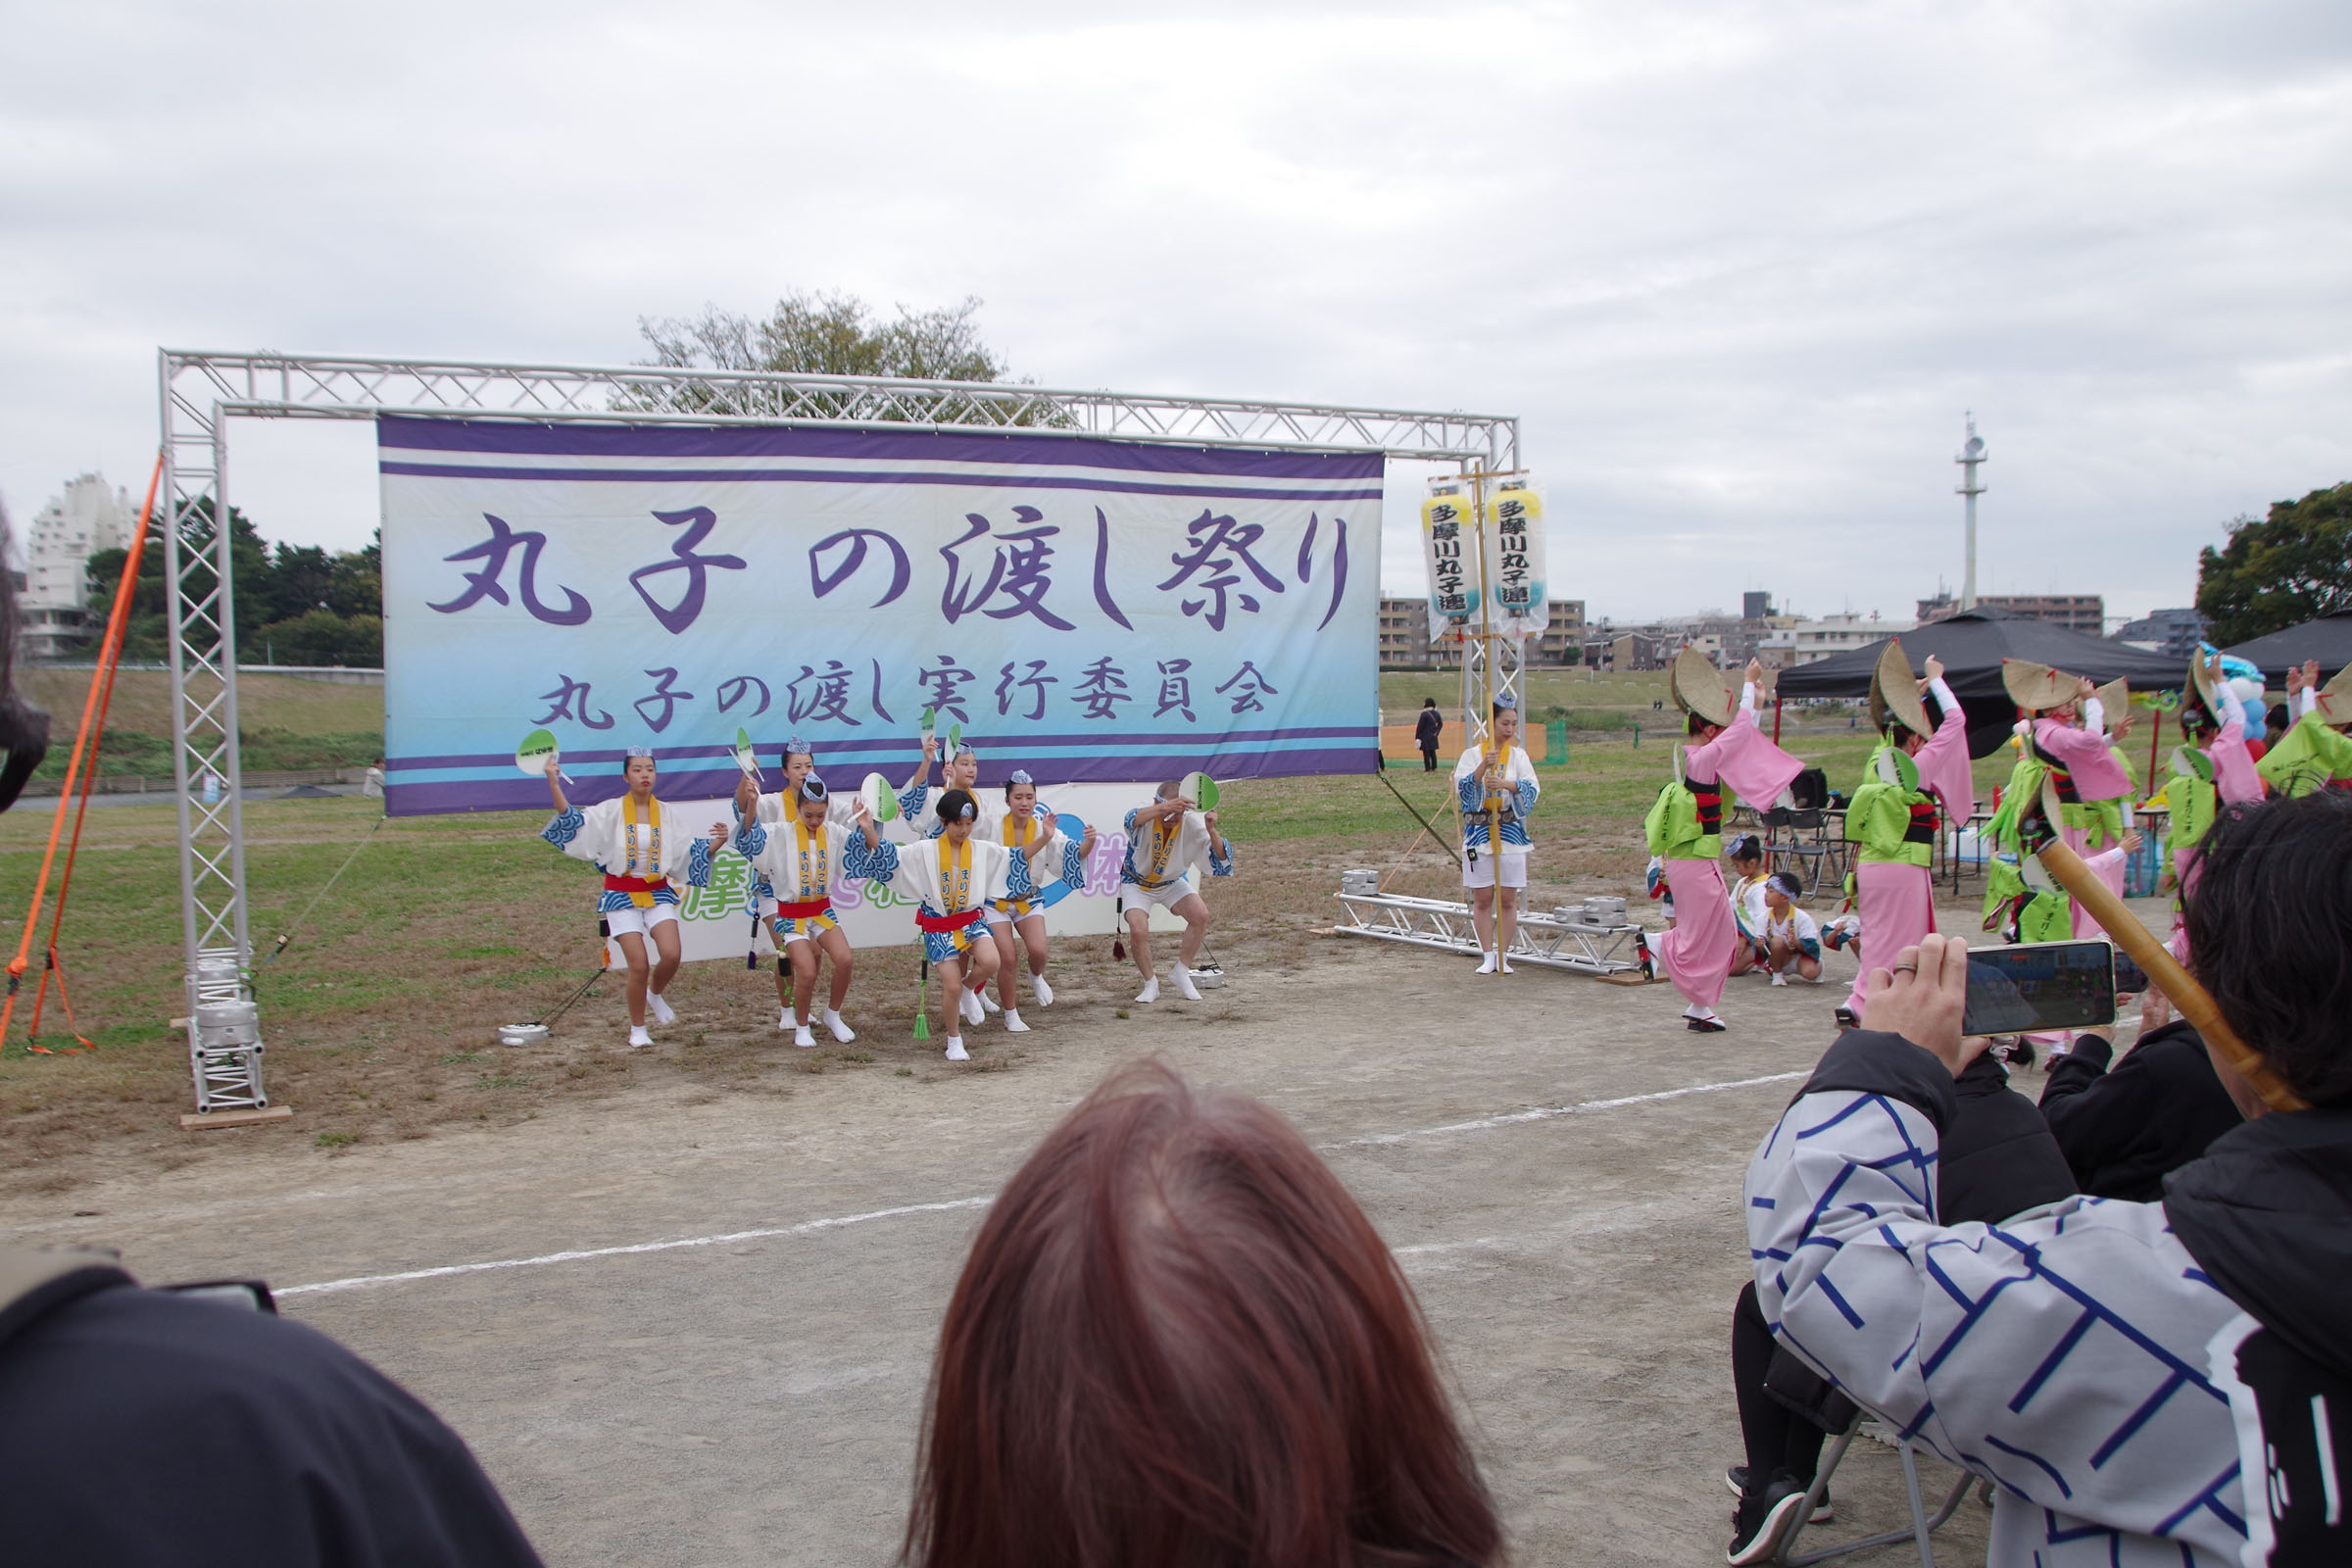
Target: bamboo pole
[(2196, 1005)]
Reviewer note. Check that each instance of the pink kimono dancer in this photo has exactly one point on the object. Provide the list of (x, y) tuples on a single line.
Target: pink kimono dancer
[(1697, 955), (1898, 903), (2107, 865)]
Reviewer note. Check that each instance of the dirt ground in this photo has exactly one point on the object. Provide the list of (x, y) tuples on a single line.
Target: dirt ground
[(731, 1368)]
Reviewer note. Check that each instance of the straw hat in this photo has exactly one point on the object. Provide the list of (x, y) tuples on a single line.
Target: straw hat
[(2036, 687), (2200, 681), (1697, 687), (2336, 699), (1894, 690), (2115, 704)]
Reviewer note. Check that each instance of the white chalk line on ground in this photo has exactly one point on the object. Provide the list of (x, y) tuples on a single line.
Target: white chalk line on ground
[(837, 1222)]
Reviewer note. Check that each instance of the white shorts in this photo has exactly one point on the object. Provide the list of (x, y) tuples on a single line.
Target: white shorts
[(1478, 871), (633, 921), (1167, 897)]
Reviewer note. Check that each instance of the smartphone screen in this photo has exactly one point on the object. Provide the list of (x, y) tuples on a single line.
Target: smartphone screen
[(2040, 985)]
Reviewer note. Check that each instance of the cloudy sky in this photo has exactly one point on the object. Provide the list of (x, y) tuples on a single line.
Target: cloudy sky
[(1739, 267)]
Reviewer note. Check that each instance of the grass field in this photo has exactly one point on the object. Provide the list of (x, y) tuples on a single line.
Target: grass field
[(378, 1012), (283, 722)]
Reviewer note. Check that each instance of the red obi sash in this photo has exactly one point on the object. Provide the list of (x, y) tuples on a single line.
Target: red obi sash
[(803, 912), (634, 884), (926, 920)]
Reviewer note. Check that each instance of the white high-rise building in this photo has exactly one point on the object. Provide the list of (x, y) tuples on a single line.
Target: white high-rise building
[(89, 516)]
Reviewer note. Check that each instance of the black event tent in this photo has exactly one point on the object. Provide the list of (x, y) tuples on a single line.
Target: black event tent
[(2327, 639), (1972, 645)]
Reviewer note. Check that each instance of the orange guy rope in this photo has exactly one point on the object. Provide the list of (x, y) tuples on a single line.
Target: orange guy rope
[(2196, 1005), (102, 684)]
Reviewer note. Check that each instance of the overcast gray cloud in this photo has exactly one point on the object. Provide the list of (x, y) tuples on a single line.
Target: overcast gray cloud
[(1739, 267)]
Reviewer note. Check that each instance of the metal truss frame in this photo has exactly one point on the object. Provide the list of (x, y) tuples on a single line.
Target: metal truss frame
[(201, 391), (1544, 940)]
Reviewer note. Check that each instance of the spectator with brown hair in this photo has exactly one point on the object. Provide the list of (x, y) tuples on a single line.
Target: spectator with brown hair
[(1178, 1341)]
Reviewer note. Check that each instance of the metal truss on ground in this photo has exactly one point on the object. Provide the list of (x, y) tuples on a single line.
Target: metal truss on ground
[(1547, 941), (200, 392)]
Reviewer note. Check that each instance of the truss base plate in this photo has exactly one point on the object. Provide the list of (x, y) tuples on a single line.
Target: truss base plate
[(198, 1120)]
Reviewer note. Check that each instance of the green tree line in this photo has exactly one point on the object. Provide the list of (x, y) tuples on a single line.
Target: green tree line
[(294, 604)]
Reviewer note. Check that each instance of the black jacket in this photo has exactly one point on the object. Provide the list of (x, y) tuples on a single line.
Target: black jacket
[(146, 1428), (2125, 1131), (1997, 1157), (2267, 1215), (1427, 727)]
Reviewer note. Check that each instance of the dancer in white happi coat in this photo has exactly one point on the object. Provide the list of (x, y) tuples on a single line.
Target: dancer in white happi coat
[(774, 806), (643, 849), (953, 879), (1165, 841), (961, 771), (1496, 784), (798, 860), (1038, 855)]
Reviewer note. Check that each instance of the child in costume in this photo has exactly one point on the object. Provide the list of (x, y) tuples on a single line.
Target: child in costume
[(798, 864), (1038, 856), (1495, 785), (953, 879), (640, 847), (1165, 841), (2315, 753), (774, 807), (1791, 939), (1916, 779), (1685, 826), (1748, 902)]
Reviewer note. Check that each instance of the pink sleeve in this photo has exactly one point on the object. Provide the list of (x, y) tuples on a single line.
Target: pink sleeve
[(1943, 764), (2098, 775), (2234, 775), (1756, 769)]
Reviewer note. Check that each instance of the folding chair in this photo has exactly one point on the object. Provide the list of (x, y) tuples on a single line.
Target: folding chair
[(1923, 1524), (1795, 834)]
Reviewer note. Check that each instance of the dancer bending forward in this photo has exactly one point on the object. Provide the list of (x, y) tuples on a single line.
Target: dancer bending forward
[(798, 862), (953, 879), (640, 847), (1165, 840), (1038, 855)]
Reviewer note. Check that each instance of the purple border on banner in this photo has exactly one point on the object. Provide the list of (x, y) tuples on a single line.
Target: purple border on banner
[(519, 794), (898, 749), (1019, 482), (801, 441)]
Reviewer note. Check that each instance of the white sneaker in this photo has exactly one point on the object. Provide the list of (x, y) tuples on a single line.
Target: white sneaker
[(801, 1038), (988, 1000), (1779, 979), (956, 1050), (1150, 991), (662, 1011), (1013, 1022), (1045, 991), (841, 1031), (783, 1017), (638, 1037), (1488, 962), (1184, 984), (973, 1012)]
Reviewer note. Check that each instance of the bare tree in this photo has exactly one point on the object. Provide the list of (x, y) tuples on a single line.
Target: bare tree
[(829, 334)]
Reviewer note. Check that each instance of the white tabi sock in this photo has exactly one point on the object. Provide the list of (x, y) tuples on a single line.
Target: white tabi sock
[(1045, 991), (783, 1017), (801, 1037), (1150, 991), (972, 1012), (638, 1036), (841, 1031), (1502, 961), (1013, 1022), (1184, 984), (663, 1012), (988, 1000), (1694, 1010), (1489, 960), (956, 1050)]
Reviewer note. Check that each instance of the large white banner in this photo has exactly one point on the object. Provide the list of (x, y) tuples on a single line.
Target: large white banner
[(714, 921), (1085, 610)]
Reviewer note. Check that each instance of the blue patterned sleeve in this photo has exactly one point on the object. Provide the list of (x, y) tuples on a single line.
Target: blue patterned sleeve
[(862, 864), (1466, 790), (698, 864), (1073, 864), (1130, 822), (563, 827), (2035, 1351), (911, 797), (750, 840), (1528, 791), (1219, 864)]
